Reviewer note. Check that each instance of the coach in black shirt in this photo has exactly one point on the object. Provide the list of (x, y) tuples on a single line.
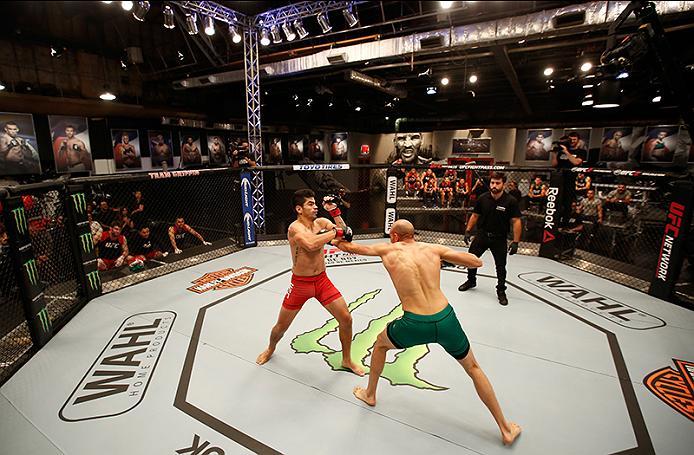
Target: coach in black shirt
[(494, 210)]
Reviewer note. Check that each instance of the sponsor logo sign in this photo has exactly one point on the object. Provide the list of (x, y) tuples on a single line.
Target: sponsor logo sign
[(335, 256), (672, 232), (392, 194), (550, 212), (44, 319), (674, 386), (247, 206), (172, 174), (605, 307), (20, 220), (320, 167), (94, 280), (223, 279), (200, 447), (390, 219), (79, 202), (31, 271), (87, 242), (118, 379)]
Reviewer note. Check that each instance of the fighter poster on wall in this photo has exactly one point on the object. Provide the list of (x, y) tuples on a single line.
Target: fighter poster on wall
[(240, 151), (316, 153), (18, 150), (217, 147), (660, 145), (295, 149), (126, 149), (538, 145), (617, 143), (70, 138), (190, 148), (338, 147), (160, 149), (274, 150), (472, 146)]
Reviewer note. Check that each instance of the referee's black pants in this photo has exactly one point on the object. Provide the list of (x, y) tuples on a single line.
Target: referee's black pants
[(498, 247)]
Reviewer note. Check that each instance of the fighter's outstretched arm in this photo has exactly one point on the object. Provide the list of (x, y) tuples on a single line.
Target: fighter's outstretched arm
[(376, 249)]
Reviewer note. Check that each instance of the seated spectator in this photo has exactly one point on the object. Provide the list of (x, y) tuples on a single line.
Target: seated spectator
[(137, 208), (446, 191), (462, 191), (537, 193), (143, 248), (429, 185), (572, 226), (113, 248), (514, 191), (412, 183), (583, 184), (127, 227), (451, 174), (591, 207), (178, 234), (619, 199), (105, 214)]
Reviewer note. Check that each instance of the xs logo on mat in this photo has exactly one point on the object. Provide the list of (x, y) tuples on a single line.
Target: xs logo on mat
[(675, 387), (223, 279), (402, 371)]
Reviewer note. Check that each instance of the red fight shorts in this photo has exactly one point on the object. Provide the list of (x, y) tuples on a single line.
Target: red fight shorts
[(303, 288)]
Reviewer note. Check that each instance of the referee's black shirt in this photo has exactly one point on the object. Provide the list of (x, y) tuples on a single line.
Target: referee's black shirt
[(495, 214)]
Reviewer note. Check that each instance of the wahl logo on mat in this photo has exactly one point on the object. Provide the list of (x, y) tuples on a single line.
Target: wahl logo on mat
[(335, 256), (119, 378), (223, 279), (674, 386), (605, 307)]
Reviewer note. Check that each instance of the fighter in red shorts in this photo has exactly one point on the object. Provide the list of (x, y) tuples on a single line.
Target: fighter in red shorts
[(307, 235), (412, 183), (446, 191)]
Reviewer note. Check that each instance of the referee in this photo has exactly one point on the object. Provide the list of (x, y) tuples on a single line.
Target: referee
[(494, 210)]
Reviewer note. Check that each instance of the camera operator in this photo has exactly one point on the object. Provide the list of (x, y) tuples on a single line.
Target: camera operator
[(566, 153)]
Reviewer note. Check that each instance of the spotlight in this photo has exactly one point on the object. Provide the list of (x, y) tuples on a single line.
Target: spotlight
[(548, 71), (2, 86), (444, 81), (276, 36), (57, 52), (107, 96), (300, 30), (180, 56), (656, 99), (140, 11), (330, 104), (587, 102), (588, 86), (168, 17), (288, 32), (586, 67), (108, 3), (623, 75), (208, 21), (234, 32), (387, 118), (358, 108), (126, 5), (445, 5), (324, 23), (431, 90), (606, 94), (264, 37), (350, 16), (123, 65), (473, 79), (192, 23)]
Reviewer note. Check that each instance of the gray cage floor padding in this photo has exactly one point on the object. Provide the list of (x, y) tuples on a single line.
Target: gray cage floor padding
[(570, 372)]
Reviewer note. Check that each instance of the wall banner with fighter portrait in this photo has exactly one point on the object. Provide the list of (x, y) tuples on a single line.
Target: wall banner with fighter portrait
[(18, 150), (70, 139), (191, 154), (126, 149), (160, 149)]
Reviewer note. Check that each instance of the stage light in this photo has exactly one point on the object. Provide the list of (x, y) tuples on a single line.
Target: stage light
[(140, 10), (606, 95), (126, 5), (358, 108), (276, 35), (287, 29), (657, 99), (300, 30), (107, 96), (387, 118), (586, 67), (588, 86), (107, 2), (473, 79), (445, 5), (192, 23), (209, 25), (235, 36), (548, 71), (168, 17), (431, 90), (264, 37), (623, 75), (444, 81), (180, 56), (350, 16), (587, 102), (2, 86), (57, 52), (324, 23)]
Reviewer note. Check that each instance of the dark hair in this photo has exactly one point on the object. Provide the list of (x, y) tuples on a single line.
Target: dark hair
[(497, 176), (10, 123), (574, 134), (300, 197), (116, 224), (70, 126)]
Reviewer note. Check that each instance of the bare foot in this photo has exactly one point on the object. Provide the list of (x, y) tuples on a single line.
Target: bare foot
[(361, 394), (509, 437), (264, 356), (353, 367)]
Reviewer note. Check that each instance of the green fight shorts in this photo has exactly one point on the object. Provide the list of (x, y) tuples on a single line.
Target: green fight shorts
[(442, 328)]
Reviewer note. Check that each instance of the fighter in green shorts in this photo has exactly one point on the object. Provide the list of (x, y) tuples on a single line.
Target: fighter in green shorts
[(415, 271)]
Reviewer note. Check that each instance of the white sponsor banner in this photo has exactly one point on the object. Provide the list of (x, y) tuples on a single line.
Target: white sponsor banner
[(320, 167)]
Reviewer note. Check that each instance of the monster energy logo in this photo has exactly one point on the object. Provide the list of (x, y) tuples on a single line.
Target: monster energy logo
[(20, 220), (45, 320), (79, 202), (87, 242), (32, 272), (402, 371), (94, 280)]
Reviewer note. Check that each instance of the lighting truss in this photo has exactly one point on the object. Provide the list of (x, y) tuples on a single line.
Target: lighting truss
[(300, 10), (216, 11)]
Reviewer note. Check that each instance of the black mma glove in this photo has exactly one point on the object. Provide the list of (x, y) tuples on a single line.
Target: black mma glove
[(344, 234), (330, 205), (513, 249), (467, 238)]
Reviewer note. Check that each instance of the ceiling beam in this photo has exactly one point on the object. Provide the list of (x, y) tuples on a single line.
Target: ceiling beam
[(501, 57)]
